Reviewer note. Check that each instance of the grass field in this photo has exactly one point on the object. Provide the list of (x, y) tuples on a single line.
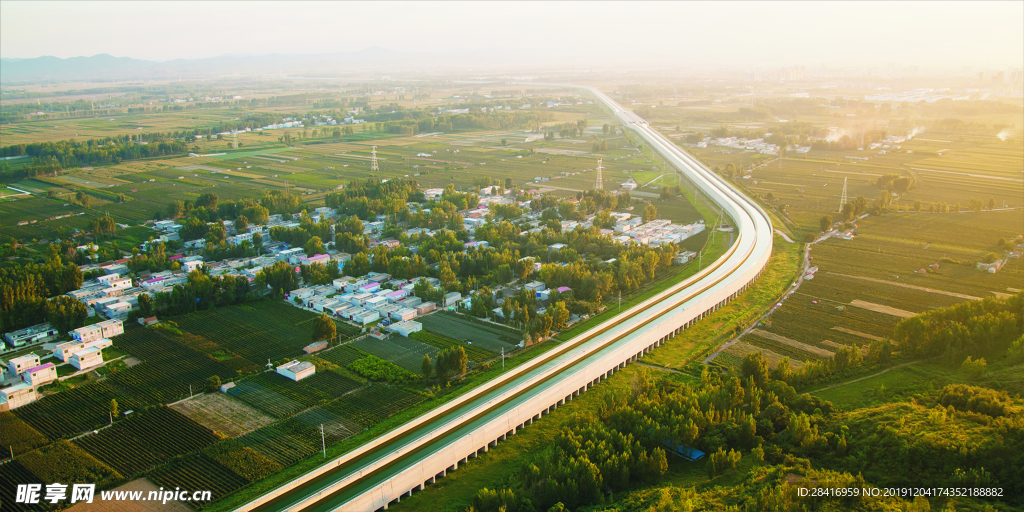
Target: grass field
[(490, 337), (405, 352), (474, 352)]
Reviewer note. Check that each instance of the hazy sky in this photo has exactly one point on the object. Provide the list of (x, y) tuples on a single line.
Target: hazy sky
[(929, 34)]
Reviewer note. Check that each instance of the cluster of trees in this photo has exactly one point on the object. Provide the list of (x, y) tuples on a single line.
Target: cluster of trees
[(451, 364), (751, 410), (624, 445), (24, 290), (372, 197), (279, 277), (201, 292), (54, 157), (977, 328), (586, 460)]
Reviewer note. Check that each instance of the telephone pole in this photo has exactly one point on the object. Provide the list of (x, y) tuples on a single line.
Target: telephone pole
[(323, 440), (842, 200)]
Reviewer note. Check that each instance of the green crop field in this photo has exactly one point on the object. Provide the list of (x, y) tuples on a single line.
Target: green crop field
[(405, 352), (147, 439), (474, 352), (277, 395), (490, 337), (256, 332)]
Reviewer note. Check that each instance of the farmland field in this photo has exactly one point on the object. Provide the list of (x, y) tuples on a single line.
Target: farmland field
[(374, 404), (277, 395), (490, 337), (146, 439), (197, 472), (168, 367), (342, 355), (73, 411), (405, 352), (258, 331), (223, 415), (474, 352), (17, 435)]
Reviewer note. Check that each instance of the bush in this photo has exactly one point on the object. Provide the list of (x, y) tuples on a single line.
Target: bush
[(375, 368), (242, 460), (972, 398)]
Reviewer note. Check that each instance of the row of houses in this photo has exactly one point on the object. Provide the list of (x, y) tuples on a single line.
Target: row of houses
[(365, 301), (22, 375)]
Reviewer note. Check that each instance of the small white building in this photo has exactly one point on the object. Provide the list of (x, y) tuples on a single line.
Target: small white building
[(30, 334), (403, 314), (105, 329), (452, 298), (296, 370), (405, 328), (189, 266), (340, 282), (40, 375), (365, 317), (87, 358), (64, 351), (18, 365), (118, 310), (16, 396)]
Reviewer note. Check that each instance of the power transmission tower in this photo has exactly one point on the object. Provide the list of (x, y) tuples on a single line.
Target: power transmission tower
[(373, 161), (600, 182), (842, 200), (236, 140)]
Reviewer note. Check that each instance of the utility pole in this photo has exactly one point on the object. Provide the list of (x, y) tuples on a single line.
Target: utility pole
[(620, 301), (842, 200), (190, 390), (502, 358), (323, 440)]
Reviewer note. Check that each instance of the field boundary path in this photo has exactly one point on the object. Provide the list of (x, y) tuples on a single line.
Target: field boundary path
[(793, 343), (858, 379), (784, 236), (881, 308), (970, 175), (864, 335), (912, 287), (662, 368)]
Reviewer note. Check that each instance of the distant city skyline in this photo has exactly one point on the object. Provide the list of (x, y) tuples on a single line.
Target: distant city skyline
[(932, 35)]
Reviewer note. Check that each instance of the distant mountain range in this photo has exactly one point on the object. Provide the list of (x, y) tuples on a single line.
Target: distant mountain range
[(107, 67)]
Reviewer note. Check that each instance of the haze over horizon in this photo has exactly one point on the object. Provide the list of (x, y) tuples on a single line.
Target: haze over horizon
[(933, 35)]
